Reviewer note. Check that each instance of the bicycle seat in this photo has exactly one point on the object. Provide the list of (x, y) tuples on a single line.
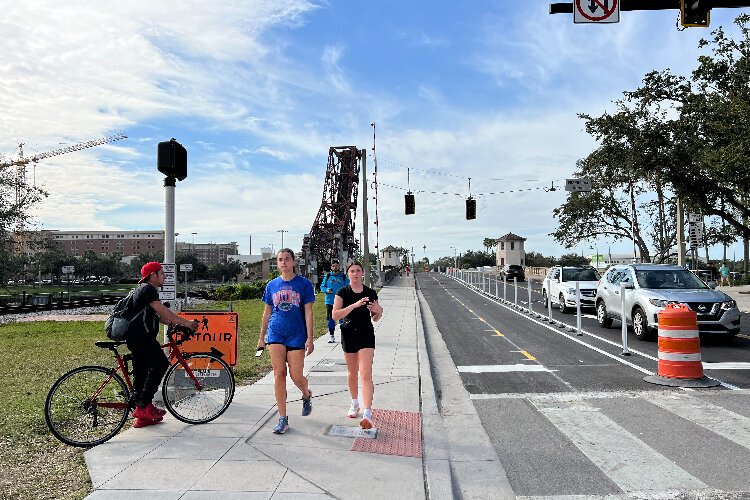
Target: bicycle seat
[(104, 344)]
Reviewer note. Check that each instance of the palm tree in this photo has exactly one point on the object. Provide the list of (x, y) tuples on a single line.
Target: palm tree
[(488, 244)]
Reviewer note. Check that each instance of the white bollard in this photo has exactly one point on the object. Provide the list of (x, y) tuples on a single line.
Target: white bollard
[(497, 285), (515, 291), (505, 287), (483, 282), (578, 308), (549, 302), (528, 287), (625, 351)]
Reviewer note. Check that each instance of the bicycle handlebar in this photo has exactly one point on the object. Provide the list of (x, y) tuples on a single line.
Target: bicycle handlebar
[(185, 333)]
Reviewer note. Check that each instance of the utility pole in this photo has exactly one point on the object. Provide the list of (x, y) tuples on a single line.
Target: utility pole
[(365, 230), (680, 235), (282, 231)]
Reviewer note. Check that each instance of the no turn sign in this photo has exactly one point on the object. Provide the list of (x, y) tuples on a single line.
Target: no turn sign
[(596, 11)]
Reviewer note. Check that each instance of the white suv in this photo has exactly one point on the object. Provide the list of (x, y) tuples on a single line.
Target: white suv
[(562, 286)]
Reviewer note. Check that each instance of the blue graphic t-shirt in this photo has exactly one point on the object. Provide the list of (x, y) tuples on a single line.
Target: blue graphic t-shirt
[(287, 300), (334, 281)]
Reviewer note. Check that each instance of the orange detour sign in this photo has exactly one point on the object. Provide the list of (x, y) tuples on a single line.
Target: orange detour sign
[(680, 362), (215, 329)]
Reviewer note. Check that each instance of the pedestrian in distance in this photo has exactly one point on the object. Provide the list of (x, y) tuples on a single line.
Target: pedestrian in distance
[(725, 277), (149, 361), (358, 306), (334, 280), (287, 330)]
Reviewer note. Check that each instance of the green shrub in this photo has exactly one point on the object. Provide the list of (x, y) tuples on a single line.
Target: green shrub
[(241, 291)]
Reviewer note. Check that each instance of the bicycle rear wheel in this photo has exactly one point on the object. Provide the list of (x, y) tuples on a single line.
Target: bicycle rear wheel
[(194, 406), (75, 417)]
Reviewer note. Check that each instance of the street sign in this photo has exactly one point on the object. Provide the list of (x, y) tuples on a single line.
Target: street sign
[(596, 11), (169, 288), (578, 184), (186, 267), (68, 269), (695, 234), (215, 329)]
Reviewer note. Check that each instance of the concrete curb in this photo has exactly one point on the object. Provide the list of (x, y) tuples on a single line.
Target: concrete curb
[(435, 448), (475, 468)]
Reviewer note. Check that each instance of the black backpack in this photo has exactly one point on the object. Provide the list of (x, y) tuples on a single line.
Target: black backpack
[(117, 325)]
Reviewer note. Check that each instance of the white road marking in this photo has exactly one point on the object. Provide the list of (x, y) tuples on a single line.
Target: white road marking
[(625, 459), (716, 419), (728, 365), (501, 368)]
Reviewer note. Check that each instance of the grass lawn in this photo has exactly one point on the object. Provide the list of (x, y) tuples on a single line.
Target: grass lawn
[(33, 464)]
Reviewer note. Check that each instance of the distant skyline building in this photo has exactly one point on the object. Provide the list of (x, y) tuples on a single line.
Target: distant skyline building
[(208, 253)]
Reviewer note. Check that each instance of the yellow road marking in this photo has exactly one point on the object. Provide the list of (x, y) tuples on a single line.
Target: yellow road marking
[(497, 332), (528, 356)]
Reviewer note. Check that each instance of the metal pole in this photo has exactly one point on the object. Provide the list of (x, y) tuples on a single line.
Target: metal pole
[(497, 286), (578, 308), (186, 288), (625, 351), (365, 227), (483, 276), (680, 235), (505, 285), (169, 184), (515, 291)]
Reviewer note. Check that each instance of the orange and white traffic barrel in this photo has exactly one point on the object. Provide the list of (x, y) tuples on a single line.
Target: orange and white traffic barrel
[(679, 362)]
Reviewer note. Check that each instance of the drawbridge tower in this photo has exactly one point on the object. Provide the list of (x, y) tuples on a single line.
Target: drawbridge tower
[(332, 233)]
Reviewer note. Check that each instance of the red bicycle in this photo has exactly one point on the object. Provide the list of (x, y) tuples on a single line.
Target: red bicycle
[(90, 404)]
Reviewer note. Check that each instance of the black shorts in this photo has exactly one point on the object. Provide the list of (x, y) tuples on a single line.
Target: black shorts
[(288, 348), (354, 339)]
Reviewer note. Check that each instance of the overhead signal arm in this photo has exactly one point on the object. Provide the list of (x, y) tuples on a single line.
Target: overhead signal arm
[(693, 12)]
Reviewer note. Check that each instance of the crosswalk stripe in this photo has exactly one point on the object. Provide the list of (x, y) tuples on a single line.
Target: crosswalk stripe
[(626, 460), (716, 419), (501, 368)]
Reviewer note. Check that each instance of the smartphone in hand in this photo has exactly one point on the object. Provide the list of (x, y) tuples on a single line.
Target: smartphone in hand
[(259, 352)]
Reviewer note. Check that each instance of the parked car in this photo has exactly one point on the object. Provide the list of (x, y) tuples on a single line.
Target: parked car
[(650, 287), (513, 271), (562, 286)]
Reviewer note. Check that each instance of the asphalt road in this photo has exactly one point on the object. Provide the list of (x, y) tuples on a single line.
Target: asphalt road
[(570, 415)]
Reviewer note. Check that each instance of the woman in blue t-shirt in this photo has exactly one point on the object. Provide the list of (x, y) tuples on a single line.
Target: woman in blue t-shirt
[(287, 330)]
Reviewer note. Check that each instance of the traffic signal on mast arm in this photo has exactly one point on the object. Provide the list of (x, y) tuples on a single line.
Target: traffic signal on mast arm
[(695, 13), (471, 208), (409, 205)]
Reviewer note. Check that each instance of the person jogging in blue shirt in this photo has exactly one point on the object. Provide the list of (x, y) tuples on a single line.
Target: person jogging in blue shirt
[(334, 280)]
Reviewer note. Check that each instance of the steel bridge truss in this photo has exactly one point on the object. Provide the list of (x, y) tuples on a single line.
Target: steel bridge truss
[(332, 233)]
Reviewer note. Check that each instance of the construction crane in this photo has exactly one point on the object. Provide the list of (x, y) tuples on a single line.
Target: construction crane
[(22, 160)]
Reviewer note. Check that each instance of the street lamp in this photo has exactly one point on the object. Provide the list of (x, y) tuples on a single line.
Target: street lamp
[(455, 262), (282, 231)]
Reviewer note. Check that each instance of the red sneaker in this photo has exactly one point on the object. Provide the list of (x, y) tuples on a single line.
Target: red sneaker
[(144, 422), (149, 412), (157, 410)]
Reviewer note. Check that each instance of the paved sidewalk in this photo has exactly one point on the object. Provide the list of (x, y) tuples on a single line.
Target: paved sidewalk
[(237, 455)]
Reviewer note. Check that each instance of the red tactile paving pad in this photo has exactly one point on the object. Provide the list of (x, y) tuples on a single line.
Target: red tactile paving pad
[(399, 433)]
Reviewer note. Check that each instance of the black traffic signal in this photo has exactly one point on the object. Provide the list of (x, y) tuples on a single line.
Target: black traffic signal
[(409, 205), (171, 159), (695, 13), (471, 208)]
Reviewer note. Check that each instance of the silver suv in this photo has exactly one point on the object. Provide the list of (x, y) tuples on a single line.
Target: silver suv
[(650, 287), (562, 286)]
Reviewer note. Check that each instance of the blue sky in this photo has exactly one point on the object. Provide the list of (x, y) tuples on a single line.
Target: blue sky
[(257, 91)]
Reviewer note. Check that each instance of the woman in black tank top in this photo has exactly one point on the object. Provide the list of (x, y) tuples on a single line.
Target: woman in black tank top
[(357, 305)]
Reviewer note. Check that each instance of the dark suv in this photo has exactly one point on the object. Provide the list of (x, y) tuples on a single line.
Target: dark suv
[(513, 271)]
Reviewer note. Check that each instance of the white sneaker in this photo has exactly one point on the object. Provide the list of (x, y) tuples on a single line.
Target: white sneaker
[(353, 411), (331, 339)]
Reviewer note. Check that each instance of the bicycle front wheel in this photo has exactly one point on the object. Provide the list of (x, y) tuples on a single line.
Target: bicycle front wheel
[(198, 405), (77, 416)]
